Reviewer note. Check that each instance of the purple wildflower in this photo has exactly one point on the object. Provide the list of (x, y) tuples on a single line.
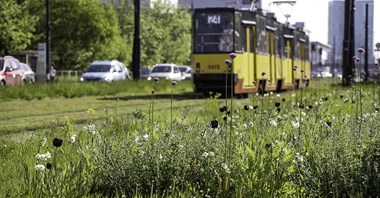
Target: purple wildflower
[(174, 83), (295, 68), (156, 79), (228, 61), (263, 73), (233, 55), (361, 50)]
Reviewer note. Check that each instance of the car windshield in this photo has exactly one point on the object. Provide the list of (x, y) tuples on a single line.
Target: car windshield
[(25, 67), (99, 68), (183, 69), (159, 69)]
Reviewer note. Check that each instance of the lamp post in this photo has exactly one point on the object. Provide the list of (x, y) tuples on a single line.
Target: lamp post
[(136, 43), (47, 36), (348, 43)]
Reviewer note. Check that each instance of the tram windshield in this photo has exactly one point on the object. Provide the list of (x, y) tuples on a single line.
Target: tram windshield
[(213, 32)]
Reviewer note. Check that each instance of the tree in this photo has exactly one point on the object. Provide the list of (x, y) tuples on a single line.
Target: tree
[(16, 27), (166, 35), (81, 31), (165, 32)]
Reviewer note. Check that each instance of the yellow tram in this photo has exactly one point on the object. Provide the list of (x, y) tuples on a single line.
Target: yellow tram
[(267, 52)]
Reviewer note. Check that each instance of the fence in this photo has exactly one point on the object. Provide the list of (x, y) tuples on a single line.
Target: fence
[(69, 73)]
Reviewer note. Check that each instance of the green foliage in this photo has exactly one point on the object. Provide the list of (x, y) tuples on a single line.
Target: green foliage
[(86, 30), (16, 26), (166, 35)]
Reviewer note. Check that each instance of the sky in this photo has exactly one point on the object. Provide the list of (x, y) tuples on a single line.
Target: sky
[(315, 15)]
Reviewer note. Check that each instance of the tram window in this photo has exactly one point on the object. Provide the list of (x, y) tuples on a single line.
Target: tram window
[(307, 50), (213, 32), (261, 36), (279, 43), (239, 34), (288, 48), (297, 51)]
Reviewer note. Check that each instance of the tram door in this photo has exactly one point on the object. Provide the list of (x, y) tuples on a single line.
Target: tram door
[(289, 61), (302, 55), (271, 54), (251, 61)]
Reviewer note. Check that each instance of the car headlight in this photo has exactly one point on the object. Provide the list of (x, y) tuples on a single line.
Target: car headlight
[(108, 78)]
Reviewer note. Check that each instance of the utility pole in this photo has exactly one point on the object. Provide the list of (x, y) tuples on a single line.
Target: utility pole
[(348, 43), (136, 43), (47, 36), (366, 45)]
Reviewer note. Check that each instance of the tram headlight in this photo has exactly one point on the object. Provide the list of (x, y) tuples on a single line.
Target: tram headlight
[(198, 67)]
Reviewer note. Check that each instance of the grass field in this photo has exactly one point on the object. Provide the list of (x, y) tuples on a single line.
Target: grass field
[(322, 141)]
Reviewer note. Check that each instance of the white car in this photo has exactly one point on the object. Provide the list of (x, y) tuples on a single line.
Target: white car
[(326, 75), (166, 70), (187, 72), (107, 71), (29, 75)]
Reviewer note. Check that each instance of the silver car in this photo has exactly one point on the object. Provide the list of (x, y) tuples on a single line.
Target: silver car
[(107, 71), (167, 71), (187, 73), (29, 75)]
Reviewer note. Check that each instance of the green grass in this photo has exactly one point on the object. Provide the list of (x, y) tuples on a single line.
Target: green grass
[(327, 148)]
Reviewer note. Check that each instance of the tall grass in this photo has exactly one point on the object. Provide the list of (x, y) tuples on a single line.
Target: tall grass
[(73, 89), (270, 157)]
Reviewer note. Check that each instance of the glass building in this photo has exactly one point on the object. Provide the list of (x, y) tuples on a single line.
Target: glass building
[(336, 29)]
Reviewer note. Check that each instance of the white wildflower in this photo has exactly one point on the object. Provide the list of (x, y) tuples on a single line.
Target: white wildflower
[(43, 157), (278, 95), (211, 154), (90, 129), (273, 123), (226, 169), (293, 95), (47, 155), (205, 154), (145, 136), (40, 167), (137, 140), (180, 146), (43, 142), (303, 114), (295, 125), (73, 138)]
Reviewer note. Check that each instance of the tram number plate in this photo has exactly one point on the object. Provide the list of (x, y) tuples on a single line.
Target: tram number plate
[(213, 67)]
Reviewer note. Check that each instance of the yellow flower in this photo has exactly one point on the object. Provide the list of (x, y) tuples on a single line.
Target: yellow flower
[(90, 111)]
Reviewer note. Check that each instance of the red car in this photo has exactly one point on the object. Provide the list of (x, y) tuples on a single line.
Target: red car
[(10, 71)]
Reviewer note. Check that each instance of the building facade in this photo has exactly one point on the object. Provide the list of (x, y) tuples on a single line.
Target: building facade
[(336, 29)]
